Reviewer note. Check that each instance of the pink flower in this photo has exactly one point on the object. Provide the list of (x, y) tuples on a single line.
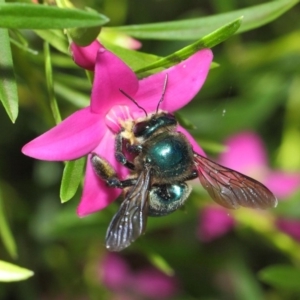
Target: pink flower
[(147, 282), (290, 227), (93, 129), (246, 154), (214, 222)]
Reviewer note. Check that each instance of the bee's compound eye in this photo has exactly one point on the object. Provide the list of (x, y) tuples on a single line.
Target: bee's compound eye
[(140, 128), (164, 199)]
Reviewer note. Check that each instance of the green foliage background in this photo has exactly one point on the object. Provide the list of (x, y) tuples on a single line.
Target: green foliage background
[(256, 87)]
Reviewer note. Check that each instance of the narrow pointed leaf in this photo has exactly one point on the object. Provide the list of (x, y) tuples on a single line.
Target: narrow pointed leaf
[(55, 38), (208, 41), (5, 233), (17, 38), (71, 179), (284, 277), (71, 95), (160, 263), (10, 272), (8, 86), (138, 60), (135, 59), (254, 16), (30, 16), (23, 47), (50, 87)]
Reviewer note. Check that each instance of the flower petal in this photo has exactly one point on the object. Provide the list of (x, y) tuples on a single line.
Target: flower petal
[(111, 75), (214, 222), (96, 194), (85, 57), (245, 153), (74, 137), (184, 82), (194, 144), (282, 184), (290, 227), (114, 272), (154, 284)]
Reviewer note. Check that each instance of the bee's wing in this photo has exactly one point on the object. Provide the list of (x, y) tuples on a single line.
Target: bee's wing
[(130, 220), (230, 188)]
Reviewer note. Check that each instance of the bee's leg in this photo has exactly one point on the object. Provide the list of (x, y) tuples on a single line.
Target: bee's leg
[(106, 172), (119, 155), (136, 149)]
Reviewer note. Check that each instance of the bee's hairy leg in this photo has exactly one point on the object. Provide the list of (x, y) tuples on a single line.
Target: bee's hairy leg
[(119, 155), (107, 173), (136, 149)]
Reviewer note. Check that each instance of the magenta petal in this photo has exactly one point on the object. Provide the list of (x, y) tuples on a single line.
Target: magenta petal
[(154, 284), (282, 184), (245, 152), (74, 137), (290, 227), (184, 82), (96, 194), (214, 222), (111, 75), (194, 144), (85, 57), (115, 272)]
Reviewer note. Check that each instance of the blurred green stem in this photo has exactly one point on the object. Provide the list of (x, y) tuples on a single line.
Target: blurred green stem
[(50, 87)]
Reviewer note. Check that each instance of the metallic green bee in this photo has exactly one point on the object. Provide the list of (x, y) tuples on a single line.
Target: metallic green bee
[(163, 161)]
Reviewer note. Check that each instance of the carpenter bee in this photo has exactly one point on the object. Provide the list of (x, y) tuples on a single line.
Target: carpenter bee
[(163, 161)]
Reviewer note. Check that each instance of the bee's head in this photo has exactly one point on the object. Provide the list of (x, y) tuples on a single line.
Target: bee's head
[(157, 121)]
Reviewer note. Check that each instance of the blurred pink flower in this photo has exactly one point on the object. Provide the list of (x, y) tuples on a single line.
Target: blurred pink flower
[(246, 154), (93, 129), (214, 222), (148, 282), (290, 227)]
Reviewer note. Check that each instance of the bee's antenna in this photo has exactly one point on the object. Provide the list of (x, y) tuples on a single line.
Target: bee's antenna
[(130, 98), (163, 93)]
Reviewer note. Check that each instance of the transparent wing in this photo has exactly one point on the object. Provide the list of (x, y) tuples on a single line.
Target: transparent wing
[(130, 221), (230, 188)]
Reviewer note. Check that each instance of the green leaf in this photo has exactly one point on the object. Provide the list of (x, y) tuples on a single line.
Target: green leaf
[(8, 86), (17, 38), (212, 146), (244, 283), (23, 47), (192, 29), (56, 39), (84, 36), (50, 87), (71, 95), (135, 59), (31, 16), (81, 36), (284, 277), (5, 232), (160, 263), (10, 272), (208, 41), (71, 179), (157, 260)]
